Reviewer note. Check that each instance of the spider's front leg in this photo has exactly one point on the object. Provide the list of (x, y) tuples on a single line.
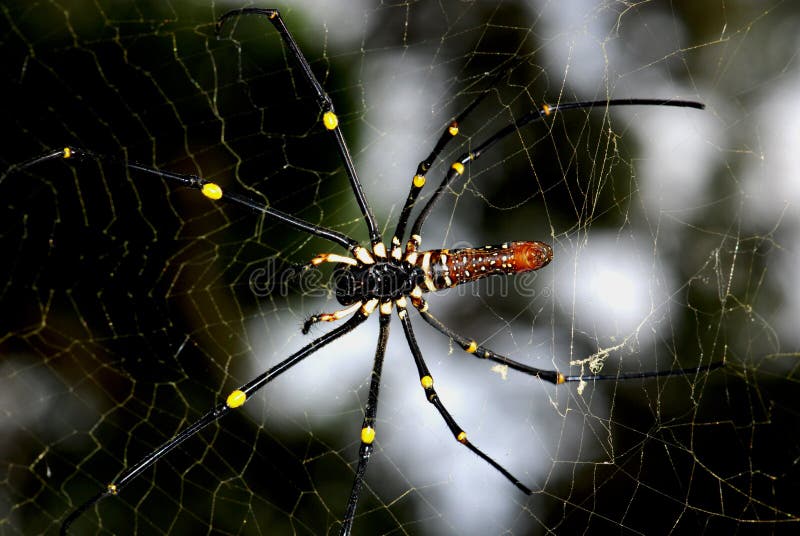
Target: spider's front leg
[(329, 117)]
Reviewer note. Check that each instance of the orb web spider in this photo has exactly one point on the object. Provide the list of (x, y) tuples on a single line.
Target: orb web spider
[(374, 278)]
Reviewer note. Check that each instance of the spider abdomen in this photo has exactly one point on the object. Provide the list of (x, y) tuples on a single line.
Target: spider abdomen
[(445, 268)]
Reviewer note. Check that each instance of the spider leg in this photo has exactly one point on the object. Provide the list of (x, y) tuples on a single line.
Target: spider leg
[(209, 189), (418, 181), (360, 253), (472, 347), (332, 258), (536, 114), (426, 380), (329, 118), (234, 400), (368, 426), (336, 315)]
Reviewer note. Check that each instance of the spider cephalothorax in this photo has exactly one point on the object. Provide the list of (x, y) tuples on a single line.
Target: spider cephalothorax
[(370, 278), (385, 280)]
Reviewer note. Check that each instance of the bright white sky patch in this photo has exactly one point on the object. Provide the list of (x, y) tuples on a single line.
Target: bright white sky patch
[(614, 286)]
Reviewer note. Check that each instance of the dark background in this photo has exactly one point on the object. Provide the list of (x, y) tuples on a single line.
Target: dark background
[(126, 307)]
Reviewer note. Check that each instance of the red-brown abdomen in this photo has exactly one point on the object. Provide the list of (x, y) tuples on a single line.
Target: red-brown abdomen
[(445, 268)]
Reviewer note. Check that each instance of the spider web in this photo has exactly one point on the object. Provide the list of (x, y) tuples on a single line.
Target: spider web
[(131, 306)]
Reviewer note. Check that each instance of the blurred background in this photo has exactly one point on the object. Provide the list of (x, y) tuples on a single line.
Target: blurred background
[(131, 305)]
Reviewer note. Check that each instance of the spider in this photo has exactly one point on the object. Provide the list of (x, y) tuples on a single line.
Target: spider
[(376, 277)]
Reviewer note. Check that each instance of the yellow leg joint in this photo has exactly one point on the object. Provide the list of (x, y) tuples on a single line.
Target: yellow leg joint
[(419, 181), (367, 435), (453, 128), (66, 152), (236, 399), (212, 190), (473, 346), (546, 109), (560, 378), (426, 381), (462, 437), (112, 489), (459, 167), (330, 120)]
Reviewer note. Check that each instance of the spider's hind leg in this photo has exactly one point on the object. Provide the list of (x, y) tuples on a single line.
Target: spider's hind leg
[(472, 347), (426, 381)]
